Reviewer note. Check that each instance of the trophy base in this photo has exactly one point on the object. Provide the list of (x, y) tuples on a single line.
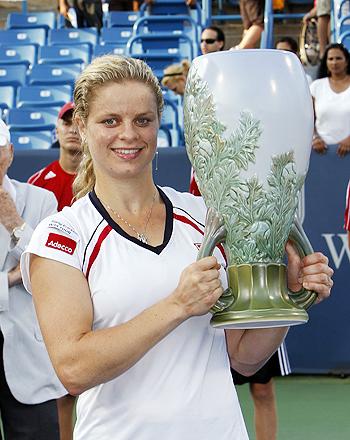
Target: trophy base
[(261, 299), (251, 319)]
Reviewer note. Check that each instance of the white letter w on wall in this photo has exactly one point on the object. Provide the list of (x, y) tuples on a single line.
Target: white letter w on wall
[(337, 255)]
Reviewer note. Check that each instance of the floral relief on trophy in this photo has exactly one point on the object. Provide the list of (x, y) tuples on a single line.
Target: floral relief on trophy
[(255, 216)]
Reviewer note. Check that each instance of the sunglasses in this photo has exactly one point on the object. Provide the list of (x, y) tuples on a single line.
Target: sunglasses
[(208, 40)]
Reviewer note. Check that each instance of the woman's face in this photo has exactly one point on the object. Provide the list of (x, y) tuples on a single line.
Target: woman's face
[(336, 62), (177, 85), (121, 129)]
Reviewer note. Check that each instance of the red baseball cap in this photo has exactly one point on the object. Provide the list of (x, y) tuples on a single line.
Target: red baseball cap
[(67, 107)]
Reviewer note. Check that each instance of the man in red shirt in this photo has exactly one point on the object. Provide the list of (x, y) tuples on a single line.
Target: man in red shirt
[(58, 176)]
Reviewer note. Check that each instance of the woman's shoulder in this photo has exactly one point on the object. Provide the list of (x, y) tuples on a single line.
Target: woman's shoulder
[(186, 201), (318, 84)]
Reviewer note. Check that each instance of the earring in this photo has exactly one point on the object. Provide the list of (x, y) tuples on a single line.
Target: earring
[(157, 160)]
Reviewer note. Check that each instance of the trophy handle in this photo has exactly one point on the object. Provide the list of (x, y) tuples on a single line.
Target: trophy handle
[(215, 233), (304, 298)]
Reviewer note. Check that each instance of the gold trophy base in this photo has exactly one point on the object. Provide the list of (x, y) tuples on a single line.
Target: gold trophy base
[(261, 299)]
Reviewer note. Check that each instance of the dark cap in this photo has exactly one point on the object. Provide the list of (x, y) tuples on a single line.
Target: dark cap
[(66, 108)]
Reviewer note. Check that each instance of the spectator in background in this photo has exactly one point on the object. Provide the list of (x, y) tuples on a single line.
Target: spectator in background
[(212, 40), (252, 13), (58, 176), (321, 11), (290, 45), (331, 96), (28, 383), (175, 76), (88, 13), (347, 213)]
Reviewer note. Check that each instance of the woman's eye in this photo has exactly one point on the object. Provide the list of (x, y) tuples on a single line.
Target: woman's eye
[(142, 121), (110, 121)]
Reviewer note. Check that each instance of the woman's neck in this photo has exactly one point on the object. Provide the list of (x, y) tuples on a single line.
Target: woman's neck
[(339, 77)]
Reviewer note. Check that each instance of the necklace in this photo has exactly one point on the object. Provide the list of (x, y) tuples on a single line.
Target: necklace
[(139, 235)]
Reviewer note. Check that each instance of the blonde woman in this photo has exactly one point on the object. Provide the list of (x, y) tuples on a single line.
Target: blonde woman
[(175, 76), (122, 302)]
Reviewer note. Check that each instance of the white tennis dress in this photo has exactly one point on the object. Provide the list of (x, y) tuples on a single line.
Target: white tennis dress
[(182, 388)]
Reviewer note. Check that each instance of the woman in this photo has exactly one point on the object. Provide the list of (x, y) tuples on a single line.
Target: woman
[(175, 77), (331, 95), (122, 303)]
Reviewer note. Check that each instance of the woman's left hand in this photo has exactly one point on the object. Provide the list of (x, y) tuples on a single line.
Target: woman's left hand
[(344, 147), (311, 272)]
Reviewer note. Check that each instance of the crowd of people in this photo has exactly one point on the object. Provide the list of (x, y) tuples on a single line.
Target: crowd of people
[(119, 341)]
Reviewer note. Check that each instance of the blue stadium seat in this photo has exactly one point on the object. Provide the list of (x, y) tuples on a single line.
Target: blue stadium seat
[(164, 137), (115, 49), (115, 35), (23, 37), (166, 7), (62, 54), (344, 8), (46, 20), (162, 43), (25, 140), (29, 119), (50, 74), (158, 62), (170, 120), (13, 75), (344, 24), (125, 19), (41, 96), (177, 24), (25, 55), (345, 39), (73, 36), (7, 97)]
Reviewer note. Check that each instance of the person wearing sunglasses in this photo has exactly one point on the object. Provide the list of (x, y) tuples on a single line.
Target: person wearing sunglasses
[(212, 40)]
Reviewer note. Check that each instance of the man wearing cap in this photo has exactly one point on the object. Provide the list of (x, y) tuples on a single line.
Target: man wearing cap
[(58, 176), (29, 386)]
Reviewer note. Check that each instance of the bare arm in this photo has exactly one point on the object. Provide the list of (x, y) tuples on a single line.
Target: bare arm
[(250, 349), (83, 357)]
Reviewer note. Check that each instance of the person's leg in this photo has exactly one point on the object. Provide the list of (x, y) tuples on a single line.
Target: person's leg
[(251, 37), (65, 406), (25, 422), (323, 23), (265, 412)]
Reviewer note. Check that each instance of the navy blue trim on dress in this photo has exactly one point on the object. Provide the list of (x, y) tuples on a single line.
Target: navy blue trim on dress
[(168, 222)]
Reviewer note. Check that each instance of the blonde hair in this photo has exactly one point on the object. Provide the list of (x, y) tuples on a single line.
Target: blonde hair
[(174, 71), (104, 69)]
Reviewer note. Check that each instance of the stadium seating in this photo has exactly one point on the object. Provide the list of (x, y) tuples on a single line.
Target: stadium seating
[(41, 96), (63, 54), (124, 19), (13, 54), (46, 20), (116, 49), (115, 35), (158, 62), (73, 36), (50, 74), (162, 43), (26, 119), (7, 97), (23, 37), (31, 140), (12, 75)]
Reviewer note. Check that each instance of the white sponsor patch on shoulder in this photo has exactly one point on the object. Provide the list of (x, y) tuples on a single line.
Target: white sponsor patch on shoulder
[(59, 226)]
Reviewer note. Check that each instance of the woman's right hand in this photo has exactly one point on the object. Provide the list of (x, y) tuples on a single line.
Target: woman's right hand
[(199, 287), (319, 145)]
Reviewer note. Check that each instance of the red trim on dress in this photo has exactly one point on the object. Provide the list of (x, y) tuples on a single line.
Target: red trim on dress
[(97, 248), (186, 220)]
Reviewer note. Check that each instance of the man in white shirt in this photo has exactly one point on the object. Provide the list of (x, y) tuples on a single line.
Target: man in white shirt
[(29, 386)]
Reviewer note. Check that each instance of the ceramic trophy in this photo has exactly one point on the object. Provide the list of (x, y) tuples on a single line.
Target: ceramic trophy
[(248, 119)]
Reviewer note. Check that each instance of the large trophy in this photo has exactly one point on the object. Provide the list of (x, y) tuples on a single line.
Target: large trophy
[(248, 129)]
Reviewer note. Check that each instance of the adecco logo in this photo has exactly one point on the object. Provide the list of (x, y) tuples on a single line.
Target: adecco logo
[(61, 243)]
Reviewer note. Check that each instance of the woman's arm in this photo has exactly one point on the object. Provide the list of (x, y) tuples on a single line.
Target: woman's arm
[(250, 349), (83, 357)]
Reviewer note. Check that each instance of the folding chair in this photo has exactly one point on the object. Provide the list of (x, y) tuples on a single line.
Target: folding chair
[(26, 119), (53, 74), (24, 140), (73, 36), (158, 62), (125, 19), (62, 54), (41, 96), (23, 37), (7, 97), (46, 20), (13, 54), (13, 75), (115, 35), (112, 49)]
